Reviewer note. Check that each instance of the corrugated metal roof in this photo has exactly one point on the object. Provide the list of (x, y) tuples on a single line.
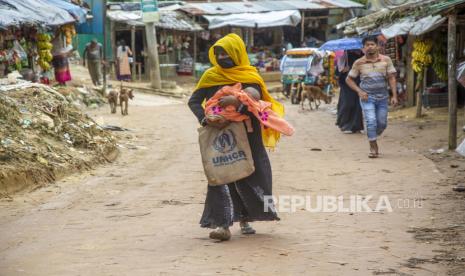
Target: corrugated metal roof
[(255, 20), (177, 21), (171, 20), (343, 4), (376, 5), (385, 17), (249, 7)]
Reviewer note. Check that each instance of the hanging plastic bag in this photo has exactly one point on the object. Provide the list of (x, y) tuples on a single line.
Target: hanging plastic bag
[(461, 148), (19, 50), (461, 73), (317, 67)]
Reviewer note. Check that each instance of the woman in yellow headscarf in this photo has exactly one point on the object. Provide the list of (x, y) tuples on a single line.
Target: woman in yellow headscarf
[(242, 200)]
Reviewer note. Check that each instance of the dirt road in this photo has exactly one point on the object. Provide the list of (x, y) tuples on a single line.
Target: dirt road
[(139, 215)]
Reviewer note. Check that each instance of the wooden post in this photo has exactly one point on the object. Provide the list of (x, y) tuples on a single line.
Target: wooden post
[(146, 60), (252, 42), (133, 48), (195, 51), (302, 27), (113, 46), (105, 61), (246, 39), (410, 74), (419, 100), (153, 55), (451, 61), (420, 87)]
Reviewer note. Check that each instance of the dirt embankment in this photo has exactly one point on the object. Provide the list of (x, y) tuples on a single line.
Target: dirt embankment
[(45, 136)]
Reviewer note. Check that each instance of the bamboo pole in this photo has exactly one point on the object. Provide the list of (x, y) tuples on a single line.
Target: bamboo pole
[(104, 11), (113, 48), (133, 48), (410, 74), (419, 89), (302, 27), (195, 52), (151, 35), (451, 61)]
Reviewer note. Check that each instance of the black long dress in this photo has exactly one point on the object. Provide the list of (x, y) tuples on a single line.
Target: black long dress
[(242, 200), (349, 111)]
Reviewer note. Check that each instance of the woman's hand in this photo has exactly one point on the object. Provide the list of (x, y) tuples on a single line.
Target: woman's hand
[(229, 100), (218, 122)]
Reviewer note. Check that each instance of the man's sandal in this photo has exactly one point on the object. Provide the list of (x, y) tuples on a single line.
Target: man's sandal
[(373, 150)]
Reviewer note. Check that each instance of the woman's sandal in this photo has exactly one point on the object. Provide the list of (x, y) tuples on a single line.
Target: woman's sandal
[(221, 234), (246, 229)]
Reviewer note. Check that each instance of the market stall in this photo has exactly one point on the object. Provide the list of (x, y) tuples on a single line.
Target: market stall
[(175, 35), (26, 32), (268, 28)]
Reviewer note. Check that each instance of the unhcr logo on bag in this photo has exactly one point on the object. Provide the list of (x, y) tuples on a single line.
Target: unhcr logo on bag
[(225, 143)]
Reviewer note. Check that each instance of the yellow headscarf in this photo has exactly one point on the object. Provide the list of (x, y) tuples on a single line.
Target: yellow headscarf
[(243, 72)]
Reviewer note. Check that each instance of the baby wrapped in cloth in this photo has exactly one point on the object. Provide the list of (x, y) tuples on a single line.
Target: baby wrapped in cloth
[(249, 97)]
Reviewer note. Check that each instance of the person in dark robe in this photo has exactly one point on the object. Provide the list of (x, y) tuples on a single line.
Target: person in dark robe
[(244, 200), (349, 112)]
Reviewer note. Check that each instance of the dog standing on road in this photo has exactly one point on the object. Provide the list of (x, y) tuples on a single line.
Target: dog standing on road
[(313, 94), (113, 100), (124, 95)]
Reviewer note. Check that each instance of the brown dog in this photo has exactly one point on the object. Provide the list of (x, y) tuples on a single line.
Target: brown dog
[(313, 94), (113, 100), (124, 95)]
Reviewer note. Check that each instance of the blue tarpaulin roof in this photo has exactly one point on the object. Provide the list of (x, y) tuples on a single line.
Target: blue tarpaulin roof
[(77, 12), (10, 16), (17, 12), (343, 44)]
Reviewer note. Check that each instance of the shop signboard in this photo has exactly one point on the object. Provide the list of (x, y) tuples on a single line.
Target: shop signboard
[(150, 12)]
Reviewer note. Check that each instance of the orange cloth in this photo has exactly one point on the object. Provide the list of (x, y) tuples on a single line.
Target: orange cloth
[(261, 109)]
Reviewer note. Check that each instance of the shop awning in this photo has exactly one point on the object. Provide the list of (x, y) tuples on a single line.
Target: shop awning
[(171, 20), (125, 16), (255, 20), (413, 17), (414, 27), (427, 24), (77, 12), (236, 7), (33, 11)]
